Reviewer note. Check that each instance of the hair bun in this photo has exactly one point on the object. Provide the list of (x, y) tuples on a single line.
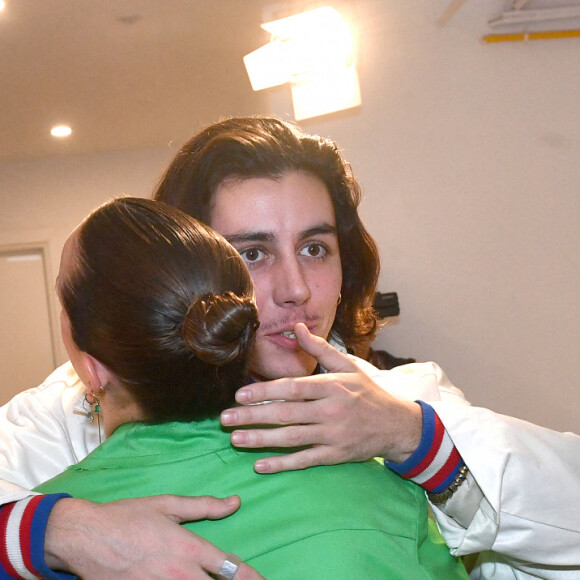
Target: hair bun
[(220, 327)]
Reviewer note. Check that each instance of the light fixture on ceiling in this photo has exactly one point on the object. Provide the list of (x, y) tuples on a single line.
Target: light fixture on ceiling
[(523, 25), (533, 16), (61, 131), (2, 5), (314, 52)]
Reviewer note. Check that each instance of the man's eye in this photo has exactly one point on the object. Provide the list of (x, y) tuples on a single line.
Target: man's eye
[(252, 255), (313, 250)]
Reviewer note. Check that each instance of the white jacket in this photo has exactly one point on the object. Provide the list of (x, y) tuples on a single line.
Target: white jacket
[(525, 505), (520, 506)]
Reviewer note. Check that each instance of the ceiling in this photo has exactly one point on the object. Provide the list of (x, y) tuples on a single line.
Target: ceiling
[(123, 73), (135, 74)]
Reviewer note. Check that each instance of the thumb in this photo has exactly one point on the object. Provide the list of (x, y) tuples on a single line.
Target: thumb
[(330, 358), (188, 509)]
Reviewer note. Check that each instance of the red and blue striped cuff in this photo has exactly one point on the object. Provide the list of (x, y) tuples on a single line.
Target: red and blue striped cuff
[(436, 461), (22, 532)]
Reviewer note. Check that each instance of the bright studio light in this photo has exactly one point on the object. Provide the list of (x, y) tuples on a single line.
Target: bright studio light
[(326, 93), (61, 131), (314, 52)]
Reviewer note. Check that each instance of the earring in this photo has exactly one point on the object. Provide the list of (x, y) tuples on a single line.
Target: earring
[(339, 298), (94, 409)]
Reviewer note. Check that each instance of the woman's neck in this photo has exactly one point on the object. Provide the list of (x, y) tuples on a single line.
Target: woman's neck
[(118, 407)]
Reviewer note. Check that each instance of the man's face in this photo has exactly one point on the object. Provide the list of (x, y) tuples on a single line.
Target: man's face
[(286, 232)]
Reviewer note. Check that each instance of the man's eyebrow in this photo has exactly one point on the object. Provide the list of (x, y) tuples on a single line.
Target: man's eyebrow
[(250, 236), (319, 229), (265, 236)]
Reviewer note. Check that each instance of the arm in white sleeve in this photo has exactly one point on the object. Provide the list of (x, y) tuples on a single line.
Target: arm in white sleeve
[(529, 481), (40, 434), (520, 503), (416, 381)]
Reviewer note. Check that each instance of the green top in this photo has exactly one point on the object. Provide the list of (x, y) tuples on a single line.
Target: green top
[(352, 521)]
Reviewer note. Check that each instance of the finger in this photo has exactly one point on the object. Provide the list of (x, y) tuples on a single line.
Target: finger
[(218, 508), (294, 461), (205, 556), (214, 561), (247, 573), (275, 413), (187, 509), (294, 389), (284, 437), (330, 358), (230, 566)]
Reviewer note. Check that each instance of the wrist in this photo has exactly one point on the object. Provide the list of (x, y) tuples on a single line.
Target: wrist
[(436, 463), (23, 526), (64, 539), (408, 435)]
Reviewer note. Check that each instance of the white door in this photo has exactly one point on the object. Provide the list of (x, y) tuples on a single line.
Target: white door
[(27, 353)]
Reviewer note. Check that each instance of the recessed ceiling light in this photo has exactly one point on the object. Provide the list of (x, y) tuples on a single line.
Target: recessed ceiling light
[(2, 5), (60, 130)]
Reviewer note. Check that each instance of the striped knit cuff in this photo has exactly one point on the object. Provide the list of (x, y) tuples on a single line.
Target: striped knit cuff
[(22, 532), (436, 461)]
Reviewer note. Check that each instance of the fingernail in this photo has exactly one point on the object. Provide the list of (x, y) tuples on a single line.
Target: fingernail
[(262, 466), (239, 438), (229, 417), (243, 395)]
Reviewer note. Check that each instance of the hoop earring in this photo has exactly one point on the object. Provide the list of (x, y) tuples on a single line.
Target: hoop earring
[(94, 410), (339, 298)]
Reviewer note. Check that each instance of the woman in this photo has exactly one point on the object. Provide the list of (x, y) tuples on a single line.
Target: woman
[(159, 320)]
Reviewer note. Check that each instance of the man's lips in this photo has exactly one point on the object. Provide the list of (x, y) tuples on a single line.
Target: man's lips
[(288, 334), (286, 324), (287, 330), (284, 340), (284, 335)]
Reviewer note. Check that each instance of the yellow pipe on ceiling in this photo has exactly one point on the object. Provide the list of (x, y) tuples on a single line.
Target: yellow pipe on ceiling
[(525, 36)]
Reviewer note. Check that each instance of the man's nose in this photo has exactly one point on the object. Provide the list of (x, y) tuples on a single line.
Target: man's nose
[(291, 285)]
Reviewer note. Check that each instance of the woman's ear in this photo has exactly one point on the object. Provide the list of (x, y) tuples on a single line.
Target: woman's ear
[(98, 375)]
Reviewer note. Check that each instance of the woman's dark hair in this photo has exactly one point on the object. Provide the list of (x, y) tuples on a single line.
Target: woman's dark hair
[(248, 147), (165, 303)]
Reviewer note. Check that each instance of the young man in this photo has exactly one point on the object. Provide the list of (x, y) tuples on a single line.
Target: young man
[(272, 192)]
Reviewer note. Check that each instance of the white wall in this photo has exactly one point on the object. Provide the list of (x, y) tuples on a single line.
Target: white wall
[(469, 156), (43, 200)]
